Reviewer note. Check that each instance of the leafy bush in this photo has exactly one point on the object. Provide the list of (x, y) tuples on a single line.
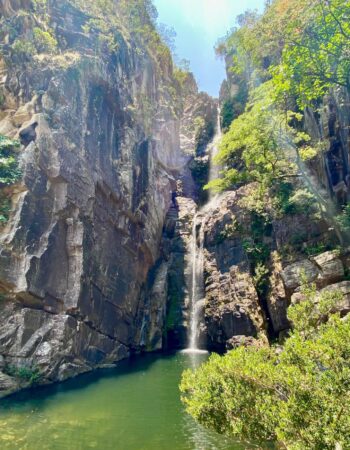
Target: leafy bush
[(261, 278), (302, 45), (5, 208), (343, 219), (290, 200), (39, 4), (30, 375), (44, 41), (298, 395), (9, 171), (316, 249), (23, 49), (315, 56)]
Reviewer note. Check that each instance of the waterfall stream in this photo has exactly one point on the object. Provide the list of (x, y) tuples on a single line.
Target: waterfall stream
[(196, 250)]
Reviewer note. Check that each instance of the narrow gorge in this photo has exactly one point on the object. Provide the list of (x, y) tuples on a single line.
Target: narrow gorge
[(145, 224)]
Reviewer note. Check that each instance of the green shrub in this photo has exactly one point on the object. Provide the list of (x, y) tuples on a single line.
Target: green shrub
[(343, 219), (44, 41), (288, 200), (23, 49), (39, 5), (9, 171), (298, 395), (5, 208), (315, 249), (30, 375), (230, 231), (231, 109), (261, 278)]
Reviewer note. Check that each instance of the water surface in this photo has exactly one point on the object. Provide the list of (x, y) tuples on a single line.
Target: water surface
[(134, 407)]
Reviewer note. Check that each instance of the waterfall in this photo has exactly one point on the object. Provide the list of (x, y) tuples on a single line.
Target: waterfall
[(214, 170), (196, 250), (197, 288)]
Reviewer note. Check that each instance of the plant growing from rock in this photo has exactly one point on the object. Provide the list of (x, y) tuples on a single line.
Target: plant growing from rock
[(9, 173), (30, 375), (44, 41)]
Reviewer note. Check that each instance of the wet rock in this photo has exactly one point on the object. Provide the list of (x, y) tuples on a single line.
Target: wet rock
[(177, 296), (53, 343), (232, 308)]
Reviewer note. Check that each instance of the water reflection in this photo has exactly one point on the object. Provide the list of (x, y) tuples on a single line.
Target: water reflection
[(136, 407)]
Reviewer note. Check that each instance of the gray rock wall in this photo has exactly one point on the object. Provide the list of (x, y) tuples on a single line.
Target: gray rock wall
[(88, 215)]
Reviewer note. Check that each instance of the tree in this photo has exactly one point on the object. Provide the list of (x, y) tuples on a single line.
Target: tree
[(261, 144), (316, 53), (298, 395), (303, 45)]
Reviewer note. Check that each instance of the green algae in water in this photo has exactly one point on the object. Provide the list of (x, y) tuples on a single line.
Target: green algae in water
[(135, 407)]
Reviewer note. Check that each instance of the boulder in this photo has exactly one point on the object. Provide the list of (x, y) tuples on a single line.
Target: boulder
[(8, 385), (323, 269), (292, 274), (241, 341), (331, 268)]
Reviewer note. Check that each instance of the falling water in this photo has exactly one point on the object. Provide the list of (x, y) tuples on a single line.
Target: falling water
[(197, 251), (197, 291), (214, 170)]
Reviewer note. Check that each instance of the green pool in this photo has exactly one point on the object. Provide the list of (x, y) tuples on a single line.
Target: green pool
[(134, 407)]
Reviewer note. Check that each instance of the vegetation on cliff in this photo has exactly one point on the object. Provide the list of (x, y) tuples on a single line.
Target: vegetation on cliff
[(297, 395), (296, 52), (9, 173), (282, 64)]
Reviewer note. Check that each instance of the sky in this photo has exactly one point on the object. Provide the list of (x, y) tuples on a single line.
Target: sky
[(199, 24)]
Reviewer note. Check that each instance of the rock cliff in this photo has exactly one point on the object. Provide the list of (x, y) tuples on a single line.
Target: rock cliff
[(99, 117), (95, 258)]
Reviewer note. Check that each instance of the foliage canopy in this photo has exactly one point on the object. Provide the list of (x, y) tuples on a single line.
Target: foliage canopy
[(298, 395)]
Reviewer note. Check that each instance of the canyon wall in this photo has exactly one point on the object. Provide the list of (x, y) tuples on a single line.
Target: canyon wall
[(100, 131)]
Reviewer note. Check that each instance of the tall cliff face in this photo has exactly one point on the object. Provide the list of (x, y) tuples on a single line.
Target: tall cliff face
[(332, 127), (253, 265), (98, 172)]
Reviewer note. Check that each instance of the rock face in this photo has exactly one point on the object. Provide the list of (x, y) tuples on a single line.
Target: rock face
[(232, 304), (237, 307), (176, 244), (87, 219), (331, 168), (95, 258), (323, 270)]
